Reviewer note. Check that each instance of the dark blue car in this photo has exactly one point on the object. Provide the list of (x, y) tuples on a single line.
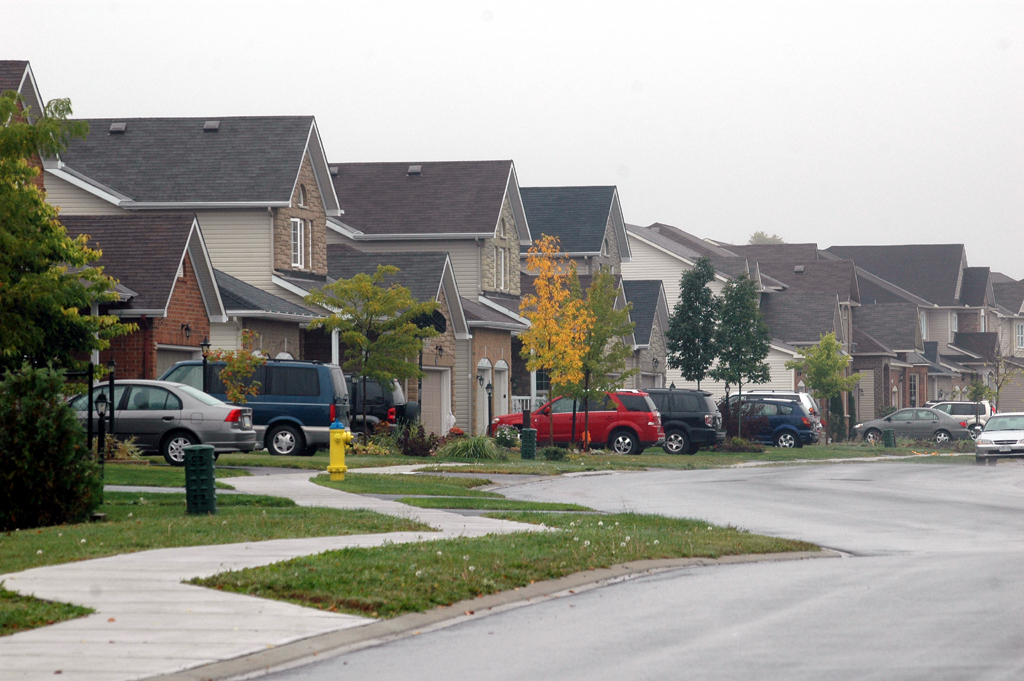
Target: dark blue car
[(782, 423)]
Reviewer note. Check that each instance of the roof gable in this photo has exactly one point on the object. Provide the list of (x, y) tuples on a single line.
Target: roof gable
[(658, 236), (1010, 296), (241, 298), (646, 297), (578, 216), (173, 162), (833, 276), (894, 325), (801, 317), (930, 271), (975, 290), (448, 198), (17, 75)]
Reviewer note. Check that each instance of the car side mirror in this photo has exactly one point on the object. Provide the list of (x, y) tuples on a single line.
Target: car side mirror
[(546, 411), (888, 418)]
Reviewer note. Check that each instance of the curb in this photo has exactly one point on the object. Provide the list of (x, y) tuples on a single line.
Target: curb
[(379, 632)]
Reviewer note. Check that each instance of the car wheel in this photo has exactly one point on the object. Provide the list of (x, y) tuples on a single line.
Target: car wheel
[(786, 440), (624, 442), (285, 441), (173, 446), (974, 432), (676, 442), (942, 437), (873, 435)]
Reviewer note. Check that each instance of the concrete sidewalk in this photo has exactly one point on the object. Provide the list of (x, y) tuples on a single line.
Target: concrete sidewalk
[(148, 623)]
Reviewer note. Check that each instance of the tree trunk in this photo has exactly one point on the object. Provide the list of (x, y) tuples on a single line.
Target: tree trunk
[(586, 412), (739, 411)]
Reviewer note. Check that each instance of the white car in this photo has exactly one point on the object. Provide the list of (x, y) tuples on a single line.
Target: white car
[(1003, 438)]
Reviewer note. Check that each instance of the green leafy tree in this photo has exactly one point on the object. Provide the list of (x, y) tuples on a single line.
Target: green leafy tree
[(376, 322), (824, 371), (761, 238), (691, 329), (742, 338), (239, 366), (979, 391), (46, 281), (604, 352)]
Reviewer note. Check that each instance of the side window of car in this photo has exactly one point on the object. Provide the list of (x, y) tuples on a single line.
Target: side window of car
[(769, 409), (661, 400), (293, 381), (562, 406), (151, 398), (924, 415), (904, 415), (784, 409), (189, 374), (602, 403), (687, 403)]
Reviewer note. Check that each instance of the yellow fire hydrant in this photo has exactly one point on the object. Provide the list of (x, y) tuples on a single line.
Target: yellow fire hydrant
[(340, 439)]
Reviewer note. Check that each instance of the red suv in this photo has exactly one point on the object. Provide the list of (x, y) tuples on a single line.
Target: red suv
[(626, 420)]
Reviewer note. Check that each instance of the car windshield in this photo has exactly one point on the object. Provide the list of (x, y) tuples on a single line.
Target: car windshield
[(200, 395), (1004, 423)]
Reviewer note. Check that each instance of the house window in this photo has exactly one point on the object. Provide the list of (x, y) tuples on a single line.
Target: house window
[(302, 196), (298, 242), (924, 325), (983, 325), (501, 228), (543, 380), (604, 248), (954, 323), (1020, 335), (913, 390)]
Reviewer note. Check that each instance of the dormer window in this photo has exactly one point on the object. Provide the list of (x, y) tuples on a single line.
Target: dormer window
[(302, 196), (298, 243)]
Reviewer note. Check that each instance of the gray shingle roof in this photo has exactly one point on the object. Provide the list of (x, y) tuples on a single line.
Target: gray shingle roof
[(832, 276), (975, 286), (801, 317), (11, 73), (643, 295), (690, 248), (782, 254), (419, 272), (865, 344), (578, 216), (894, 325), (140, 251), (930, 271), (249, 159), (454, 197), (690, 241), (239, 296), (1010, 296), (982, 344), (478, 315)]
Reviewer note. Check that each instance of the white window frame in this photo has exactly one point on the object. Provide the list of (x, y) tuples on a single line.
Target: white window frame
[(984, 325), (912, 390), (298, 243), (954, 324), (302, 196), (503, 267), (1020, 335), (924, 325)]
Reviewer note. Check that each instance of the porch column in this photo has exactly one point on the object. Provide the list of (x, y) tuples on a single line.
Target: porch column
[(533, 389), (335, 353)]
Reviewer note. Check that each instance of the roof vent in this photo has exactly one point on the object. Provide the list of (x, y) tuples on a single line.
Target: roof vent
[(415, 170), (798, 269), (334, 171), (117, 127), (211, 126)]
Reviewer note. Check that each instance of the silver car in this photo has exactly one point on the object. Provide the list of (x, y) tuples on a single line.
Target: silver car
[(166, 417), (1002, 438), (915, 423)]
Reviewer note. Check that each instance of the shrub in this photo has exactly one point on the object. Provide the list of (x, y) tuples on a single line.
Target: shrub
[(47, 475), (120, 450), (370, 448), (552, 453), (479, 447), (414, 441), (507, 437)]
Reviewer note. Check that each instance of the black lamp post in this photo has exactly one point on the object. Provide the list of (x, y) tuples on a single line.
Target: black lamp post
[(101, 409), (111, 370), (490, 403), (205, 346)]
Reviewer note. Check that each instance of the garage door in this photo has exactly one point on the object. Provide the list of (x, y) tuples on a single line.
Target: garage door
[(436, 401), (166, 358)]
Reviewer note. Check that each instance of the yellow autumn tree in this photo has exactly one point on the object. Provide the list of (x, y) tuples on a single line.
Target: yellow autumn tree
[(559, 317)]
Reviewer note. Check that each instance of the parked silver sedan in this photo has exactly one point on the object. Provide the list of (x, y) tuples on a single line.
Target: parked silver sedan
[(166, 417), (1003, 438), (917, 424)]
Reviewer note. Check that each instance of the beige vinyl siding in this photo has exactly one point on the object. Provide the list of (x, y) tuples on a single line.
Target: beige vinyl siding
[(224, 336), (239, 242), (464, 373), (464, 253), (937, 322), (866, 408), (651, 263), (75, 201)]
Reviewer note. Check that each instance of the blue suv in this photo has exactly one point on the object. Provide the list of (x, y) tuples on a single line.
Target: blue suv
[(781, 422), (295, 406)]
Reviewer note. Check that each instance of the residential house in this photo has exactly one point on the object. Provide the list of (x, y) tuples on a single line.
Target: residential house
[(1009, 299), (167, 287), (471, 210), (258, 185), (649, 312), (17, 76)]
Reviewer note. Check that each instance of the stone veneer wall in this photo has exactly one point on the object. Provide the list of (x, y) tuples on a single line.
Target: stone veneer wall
[(446, 341), (316, 253), (614, 257), (489, 273), (657, 349)]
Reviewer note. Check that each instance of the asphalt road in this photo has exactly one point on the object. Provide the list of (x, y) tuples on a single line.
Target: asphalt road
[(932, 588)]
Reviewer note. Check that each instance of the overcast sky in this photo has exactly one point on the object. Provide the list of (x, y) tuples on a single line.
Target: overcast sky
[(826, 122)]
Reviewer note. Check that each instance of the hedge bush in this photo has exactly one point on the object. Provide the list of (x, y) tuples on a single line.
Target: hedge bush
[(47, 476), (479, 447)]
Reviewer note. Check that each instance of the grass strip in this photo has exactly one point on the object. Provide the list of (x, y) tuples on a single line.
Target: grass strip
[(151, 521), (489, 504), (19, 613), (436, 485), (157, 476), (400, 578)]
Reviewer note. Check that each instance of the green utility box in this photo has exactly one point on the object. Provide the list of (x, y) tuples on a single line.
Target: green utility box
[(200, 492), (528, 443), (889, 438)]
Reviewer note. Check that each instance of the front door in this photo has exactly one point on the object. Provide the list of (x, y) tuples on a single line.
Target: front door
[(431, 402)]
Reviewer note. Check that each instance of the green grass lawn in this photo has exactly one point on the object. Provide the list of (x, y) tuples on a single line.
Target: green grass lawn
[(401, 578), (436, 485), (159, 476), (18, 613), (150, 521), (489, 504)]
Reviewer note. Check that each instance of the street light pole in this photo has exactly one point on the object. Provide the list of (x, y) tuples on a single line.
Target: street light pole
[(111, 368), (101, 409), (490, 404), (205, 346)]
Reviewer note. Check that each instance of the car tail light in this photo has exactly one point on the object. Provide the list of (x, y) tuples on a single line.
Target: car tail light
[(806, 421), (963, 424), (334, 412), (709, 420), (391, 415), (234, 416)]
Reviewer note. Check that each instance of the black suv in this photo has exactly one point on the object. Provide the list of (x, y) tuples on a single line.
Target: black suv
[(690, 418), (387, 406)]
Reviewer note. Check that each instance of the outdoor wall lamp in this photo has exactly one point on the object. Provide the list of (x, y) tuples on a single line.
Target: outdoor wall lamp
[(655, 363), (480, 380), (187, 330), (440, 353)]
